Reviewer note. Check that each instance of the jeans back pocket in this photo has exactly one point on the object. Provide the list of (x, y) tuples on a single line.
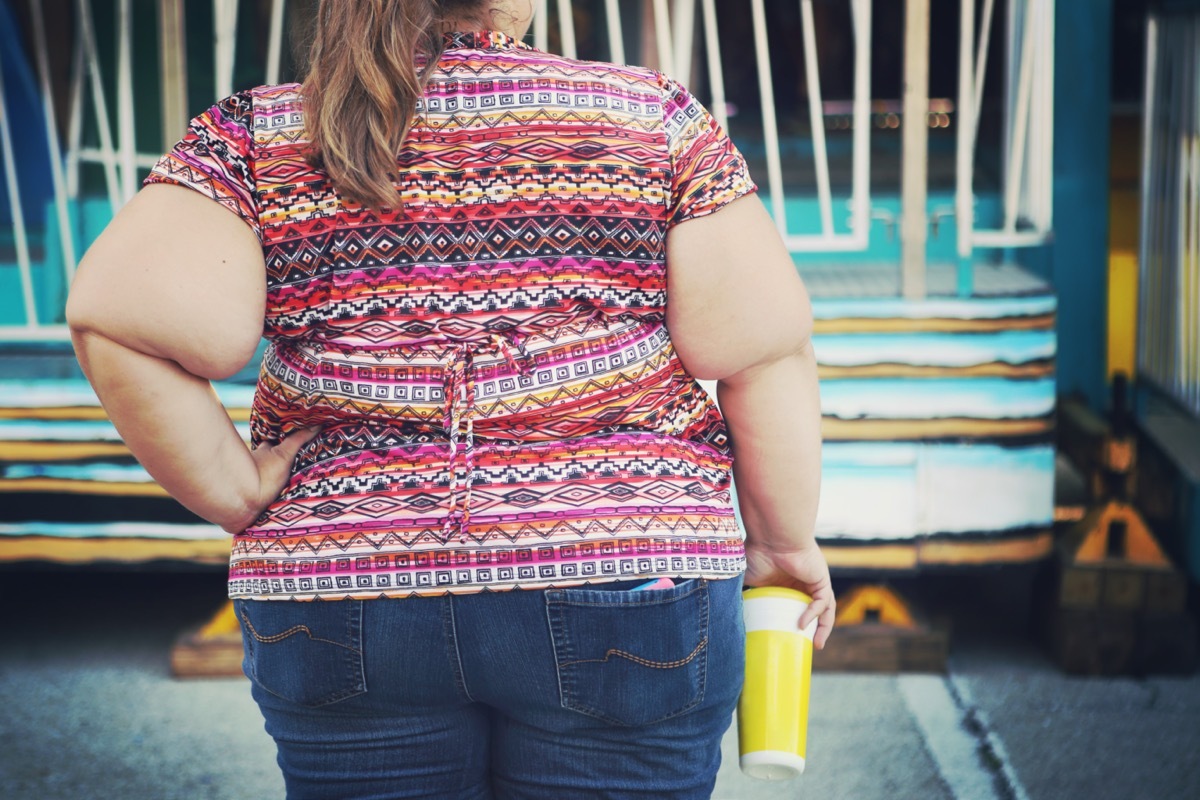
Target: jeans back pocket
[(309, 653), (631, 658)]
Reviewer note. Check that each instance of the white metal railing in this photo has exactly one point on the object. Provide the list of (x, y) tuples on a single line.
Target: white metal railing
[(1028, 124), (673, 26), (670, 30), (116, 153), (1169, 247)]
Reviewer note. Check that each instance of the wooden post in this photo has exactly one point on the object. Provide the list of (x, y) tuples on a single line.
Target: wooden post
[(172, 59), (915, 149)]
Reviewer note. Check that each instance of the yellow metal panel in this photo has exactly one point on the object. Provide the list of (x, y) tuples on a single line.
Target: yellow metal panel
[(1122, 312)]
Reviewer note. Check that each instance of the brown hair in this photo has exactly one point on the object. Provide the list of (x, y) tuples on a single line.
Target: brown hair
[(365, 76)]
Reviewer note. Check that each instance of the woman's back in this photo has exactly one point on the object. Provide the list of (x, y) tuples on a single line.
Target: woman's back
[(500, 400), (475, 389)]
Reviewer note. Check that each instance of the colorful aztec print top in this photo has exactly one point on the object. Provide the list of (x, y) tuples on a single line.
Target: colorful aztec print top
[(501, 402)]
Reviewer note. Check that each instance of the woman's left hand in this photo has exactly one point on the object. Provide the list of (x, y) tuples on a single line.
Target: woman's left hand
[(802, 568)]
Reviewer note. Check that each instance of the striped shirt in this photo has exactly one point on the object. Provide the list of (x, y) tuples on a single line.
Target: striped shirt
[(500, 400)]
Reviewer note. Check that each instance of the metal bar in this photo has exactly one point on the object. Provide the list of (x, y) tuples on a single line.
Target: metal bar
[(1148, 185), (662, 36), (125, 100), (766, 93), (1035, 202), (541, 26), (40, 333), (1163, 263), (1170, 175), (66, 232), (75, 118), (1011, 64), (1150, 212), (97, 155), (566, 29), (860, 199), (985, 34), (1192, 288), (1004, 238), (914, 148), (816, 116), (1020, 126), (1178, 187), (172, 56), (107, 150), (818, 243), (716, 75), (20, 235), (684, 17), (225, 13), (964, 176), (1041, 161), (616, 38), (275, 42), (1184, 300)]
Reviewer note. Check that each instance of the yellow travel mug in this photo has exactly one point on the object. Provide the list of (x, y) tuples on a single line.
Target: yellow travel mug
[(773, 709)]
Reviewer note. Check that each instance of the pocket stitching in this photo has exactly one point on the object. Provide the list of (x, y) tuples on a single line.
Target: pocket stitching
[(250, 666), (645, 662), (292, 631)]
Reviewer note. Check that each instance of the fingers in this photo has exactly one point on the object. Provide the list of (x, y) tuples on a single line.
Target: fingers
[(823, 609), (825, 625), (294, 441)]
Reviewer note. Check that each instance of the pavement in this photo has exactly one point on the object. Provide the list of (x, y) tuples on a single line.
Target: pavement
[(91, 711)]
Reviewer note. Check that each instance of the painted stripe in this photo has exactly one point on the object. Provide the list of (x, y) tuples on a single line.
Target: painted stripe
[(996, 751), (51, 393), (939, 308), (73, 430), (906, 325), (953, 748), (114, 530), (969, 398), (969, 757), (880, 430), (934, 349), (843, 554)]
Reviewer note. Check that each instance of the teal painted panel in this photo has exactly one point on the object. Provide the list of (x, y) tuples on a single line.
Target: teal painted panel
[(27, 430), (950, 350), (114, 530), (36, 393), (90, 471), (937, 398), (934, 307), (883, 491), (87, 218)]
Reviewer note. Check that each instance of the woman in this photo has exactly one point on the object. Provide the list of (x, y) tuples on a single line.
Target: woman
[(471, 428)]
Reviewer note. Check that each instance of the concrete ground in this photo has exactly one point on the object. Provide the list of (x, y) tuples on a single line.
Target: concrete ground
[(90, 711)]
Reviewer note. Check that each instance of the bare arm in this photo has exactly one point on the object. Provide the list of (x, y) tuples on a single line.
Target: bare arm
[(739, 314), (170, 296)]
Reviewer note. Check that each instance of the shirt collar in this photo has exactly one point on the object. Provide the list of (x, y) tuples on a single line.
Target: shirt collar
[(482, 40)]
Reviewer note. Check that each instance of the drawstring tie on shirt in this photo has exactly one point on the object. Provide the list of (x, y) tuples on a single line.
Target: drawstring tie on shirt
[(460, 407)]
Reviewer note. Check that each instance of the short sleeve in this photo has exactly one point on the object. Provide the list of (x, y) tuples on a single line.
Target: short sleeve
[(708, 172), (215, 157)]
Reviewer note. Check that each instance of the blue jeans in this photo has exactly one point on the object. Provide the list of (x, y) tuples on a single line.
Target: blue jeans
[(558, 694)]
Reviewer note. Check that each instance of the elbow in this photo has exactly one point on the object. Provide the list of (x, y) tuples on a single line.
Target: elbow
[(798, 353), (747, 350), (217, 366), (214, 355), (80, 313)]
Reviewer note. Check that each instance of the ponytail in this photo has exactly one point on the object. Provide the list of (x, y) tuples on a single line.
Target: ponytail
[(368, 66)]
